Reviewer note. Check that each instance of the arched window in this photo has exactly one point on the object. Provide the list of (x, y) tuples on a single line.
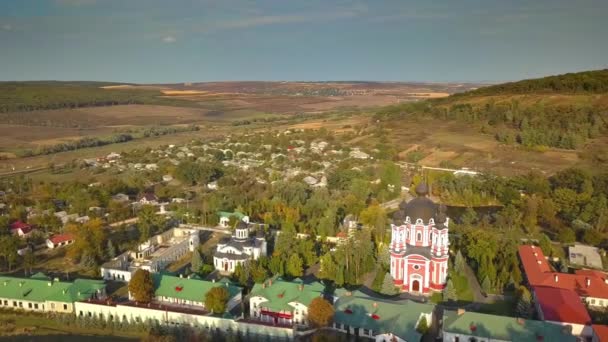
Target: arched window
[(419, 236)]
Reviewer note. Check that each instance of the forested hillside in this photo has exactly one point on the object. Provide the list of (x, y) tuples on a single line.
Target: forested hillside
[(586, 82), (41, 95), (558, 111)]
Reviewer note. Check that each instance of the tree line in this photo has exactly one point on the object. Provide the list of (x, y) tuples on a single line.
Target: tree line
[(32, 96)]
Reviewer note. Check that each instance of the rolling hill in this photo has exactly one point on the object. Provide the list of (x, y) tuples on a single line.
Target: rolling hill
[(564, 111)]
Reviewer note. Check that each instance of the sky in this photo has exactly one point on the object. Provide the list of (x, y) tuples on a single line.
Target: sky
[(170, 41)]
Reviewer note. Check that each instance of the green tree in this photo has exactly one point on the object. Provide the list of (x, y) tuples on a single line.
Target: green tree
[(216, 299), (141, 286), (110, 249), (524, 303), (449, 292), (423, 325), (328, 267), (566, 235), (9, 244), (545, 244), (29, 261), (320, 312), (196, 262), (375, 217), (459, 262), (148, 222), (276, 265), (486, 285), (388, 285), (294, 266), (339, 279), (592, 237)]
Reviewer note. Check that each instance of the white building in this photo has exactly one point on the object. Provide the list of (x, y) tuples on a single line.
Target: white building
[(153, 255), (240, 248)]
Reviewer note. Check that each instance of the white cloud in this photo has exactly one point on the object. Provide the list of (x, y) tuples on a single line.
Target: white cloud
[(169, 39)]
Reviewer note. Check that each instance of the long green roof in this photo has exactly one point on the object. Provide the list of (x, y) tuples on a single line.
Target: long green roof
[(283, 292), (38, 289), (359, 310), (228, 214), (503, 328), (188, 289)]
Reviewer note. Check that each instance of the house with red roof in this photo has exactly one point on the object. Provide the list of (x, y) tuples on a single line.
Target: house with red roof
[(600, 333), (563, 307), (21, 229), (148, 198), (60, 240), (591, 286)]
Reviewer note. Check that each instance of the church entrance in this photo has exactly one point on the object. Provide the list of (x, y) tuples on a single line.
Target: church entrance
[(225, 266), (415, 286)]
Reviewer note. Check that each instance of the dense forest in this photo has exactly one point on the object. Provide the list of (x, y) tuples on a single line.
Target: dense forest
[(532, 120), (46, 95), (595, 81)]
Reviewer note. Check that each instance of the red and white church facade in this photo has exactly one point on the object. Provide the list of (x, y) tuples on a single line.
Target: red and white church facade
[(419, 245)]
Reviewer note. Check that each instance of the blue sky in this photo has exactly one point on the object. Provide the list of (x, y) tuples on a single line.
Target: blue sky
[(213, 40)]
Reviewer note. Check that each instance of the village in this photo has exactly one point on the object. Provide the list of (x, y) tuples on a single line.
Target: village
[(163, 238)]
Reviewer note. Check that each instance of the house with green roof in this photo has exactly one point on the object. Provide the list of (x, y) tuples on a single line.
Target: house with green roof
[(461, 326), (361, 315), (191, 291), (43, 294), (282, 302)]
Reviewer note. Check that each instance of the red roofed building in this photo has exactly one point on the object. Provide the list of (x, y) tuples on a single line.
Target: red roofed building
[(21, 229), (590, 285), (563, 307), (60, 240), (600, 333)]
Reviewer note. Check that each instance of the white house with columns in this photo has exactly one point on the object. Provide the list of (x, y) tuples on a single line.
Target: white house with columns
[(153, 255)]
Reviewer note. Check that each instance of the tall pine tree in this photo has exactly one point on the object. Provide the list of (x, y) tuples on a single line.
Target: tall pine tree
[(388, 285), (449, 292)]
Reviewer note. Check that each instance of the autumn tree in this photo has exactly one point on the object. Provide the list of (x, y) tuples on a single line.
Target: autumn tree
[(89, 241), (216, 299), (320, 312), (141, 286)]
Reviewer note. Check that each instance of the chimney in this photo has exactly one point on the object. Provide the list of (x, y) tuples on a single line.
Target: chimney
[(555, 277), (533, 247), (213, 280), (181, 275), (461, 312), (588, 281), (520, 321), (535, 254), (270, 282), (301, 287)]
